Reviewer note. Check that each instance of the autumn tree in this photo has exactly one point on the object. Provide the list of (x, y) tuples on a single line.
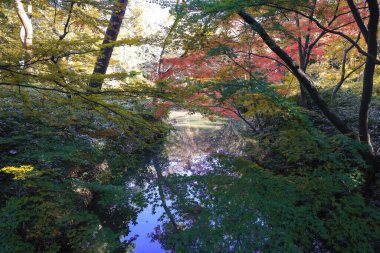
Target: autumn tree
[(298, 66), (239, 42), (370, 35)]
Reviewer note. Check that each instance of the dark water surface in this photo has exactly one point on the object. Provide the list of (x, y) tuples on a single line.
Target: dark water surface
[(172, 208)]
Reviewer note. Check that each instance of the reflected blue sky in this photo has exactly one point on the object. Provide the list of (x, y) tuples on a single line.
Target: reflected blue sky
[(146, 222)]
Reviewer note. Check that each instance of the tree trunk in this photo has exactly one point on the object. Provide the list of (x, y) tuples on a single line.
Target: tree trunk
[(26, 32), (298, 73), (358, 19), (369, 72), (302, 60), (112, 32), (343, 74)]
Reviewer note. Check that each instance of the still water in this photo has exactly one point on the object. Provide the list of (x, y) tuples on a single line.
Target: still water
[(187, 154)]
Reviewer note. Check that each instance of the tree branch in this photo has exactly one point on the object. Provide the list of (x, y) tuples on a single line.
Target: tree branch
[(358, 19), (298, 73), (328, 30)]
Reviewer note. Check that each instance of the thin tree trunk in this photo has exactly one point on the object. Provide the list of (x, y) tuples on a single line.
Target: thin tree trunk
[(303, 51), (358, 19), (303, 94), (112, 32), (369, 72), (26, 32), (160, 184), (343, 76), (298, 73)]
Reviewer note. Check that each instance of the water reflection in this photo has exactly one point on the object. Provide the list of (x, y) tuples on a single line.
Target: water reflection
[(205, 197), (187, 152), (209, 212), (194, 139)]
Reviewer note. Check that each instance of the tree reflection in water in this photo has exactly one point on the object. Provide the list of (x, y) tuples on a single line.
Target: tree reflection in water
[(212, 199), (187, 151), (235, 207)]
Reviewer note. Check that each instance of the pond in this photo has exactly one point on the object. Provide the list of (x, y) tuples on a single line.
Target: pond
[(187, 153)]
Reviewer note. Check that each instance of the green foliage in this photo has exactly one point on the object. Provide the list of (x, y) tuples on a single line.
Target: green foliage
[(49, 217), (74, 199), (81, 144), (299, 147), (240, 207)]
